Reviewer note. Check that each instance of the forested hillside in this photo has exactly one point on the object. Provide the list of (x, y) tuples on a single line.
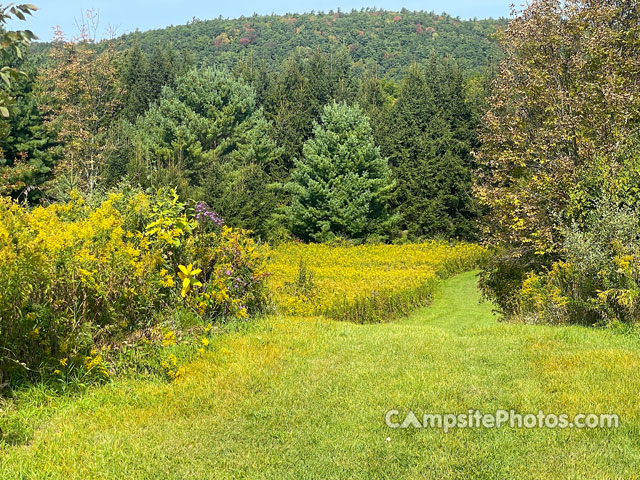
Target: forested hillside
[(242, 114), (390, 41)]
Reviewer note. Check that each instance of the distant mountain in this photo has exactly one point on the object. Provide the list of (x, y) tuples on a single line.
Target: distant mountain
[(389, 40)]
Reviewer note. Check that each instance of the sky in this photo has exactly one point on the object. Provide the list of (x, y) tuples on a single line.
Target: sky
[(128, 15)]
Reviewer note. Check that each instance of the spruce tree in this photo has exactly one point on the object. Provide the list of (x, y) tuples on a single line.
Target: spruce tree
[(341, 185), (428, 141)]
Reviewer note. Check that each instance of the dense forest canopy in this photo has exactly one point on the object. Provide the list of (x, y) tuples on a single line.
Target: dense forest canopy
[(385, 40)]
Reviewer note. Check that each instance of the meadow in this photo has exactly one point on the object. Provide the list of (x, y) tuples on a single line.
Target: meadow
[(366, 283), (212, 273), (305, 398)]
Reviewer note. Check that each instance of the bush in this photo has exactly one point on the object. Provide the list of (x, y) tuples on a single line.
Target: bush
[(76, 276), (504, 273), (598, 282)]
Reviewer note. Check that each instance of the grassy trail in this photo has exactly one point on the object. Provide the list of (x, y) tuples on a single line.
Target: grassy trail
[(306, 399)]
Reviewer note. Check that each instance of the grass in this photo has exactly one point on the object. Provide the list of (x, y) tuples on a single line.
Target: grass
[(305, 398), (365, 283)]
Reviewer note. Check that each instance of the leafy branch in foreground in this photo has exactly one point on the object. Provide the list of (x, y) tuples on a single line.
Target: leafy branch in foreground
[(11, 43)]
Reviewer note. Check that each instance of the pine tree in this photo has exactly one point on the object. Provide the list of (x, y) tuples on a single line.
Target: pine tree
[(427, 138), (207, 138), (27, 156), (298, 94), (341, 185), (136, 83), (289, 106)]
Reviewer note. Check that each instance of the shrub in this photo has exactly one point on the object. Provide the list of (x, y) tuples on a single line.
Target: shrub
[(598, 282), (76, 276), (503, 275)]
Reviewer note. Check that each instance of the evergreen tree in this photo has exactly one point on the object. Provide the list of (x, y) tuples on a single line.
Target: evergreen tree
[(341, 185), (428, 144), (27, 156), (290, 108), (208, 138), (299, 93), (136, 83)]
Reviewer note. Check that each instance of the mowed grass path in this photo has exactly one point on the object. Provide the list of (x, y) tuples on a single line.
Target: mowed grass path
[(306, 399)]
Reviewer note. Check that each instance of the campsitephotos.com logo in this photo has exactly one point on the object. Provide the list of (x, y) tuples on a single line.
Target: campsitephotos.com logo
[(500, 419)]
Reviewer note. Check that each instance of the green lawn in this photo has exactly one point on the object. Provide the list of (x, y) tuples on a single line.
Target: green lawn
[(306, 398)]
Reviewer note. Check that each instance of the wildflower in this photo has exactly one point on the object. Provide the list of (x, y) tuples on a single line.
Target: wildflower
[(204, 215), (94, 362), (167, 281), (187, 275), (242, 313), (205, 341), (169, 339)]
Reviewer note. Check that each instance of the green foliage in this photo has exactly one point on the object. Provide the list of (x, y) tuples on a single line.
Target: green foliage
[(76, 277), (294, 96), (502, 277), (233, 145), (143, 76), (27, 147), (428, 134), (303, 285), (80, 95), (11, 44), (598, 280), (566, 100), (391, 40), (208, 138), (560, 139), (341, 185)]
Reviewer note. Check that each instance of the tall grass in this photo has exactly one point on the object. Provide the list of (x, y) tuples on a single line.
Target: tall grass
[(367, 283)]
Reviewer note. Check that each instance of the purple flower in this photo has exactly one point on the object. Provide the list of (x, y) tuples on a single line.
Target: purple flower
[(204, 214), (239, 283)]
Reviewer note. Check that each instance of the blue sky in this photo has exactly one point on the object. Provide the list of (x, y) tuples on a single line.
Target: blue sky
[(129, 15)]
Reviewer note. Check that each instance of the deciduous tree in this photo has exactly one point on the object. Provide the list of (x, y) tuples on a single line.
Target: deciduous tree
[(81, 96)]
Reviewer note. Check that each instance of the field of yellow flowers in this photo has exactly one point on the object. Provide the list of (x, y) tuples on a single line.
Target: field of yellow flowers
[(80, 275), (366, 283)]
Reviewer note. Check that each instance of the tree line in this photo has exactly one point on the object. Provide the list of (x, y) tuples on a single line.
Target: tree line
[(388, 41), (316, 149)]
